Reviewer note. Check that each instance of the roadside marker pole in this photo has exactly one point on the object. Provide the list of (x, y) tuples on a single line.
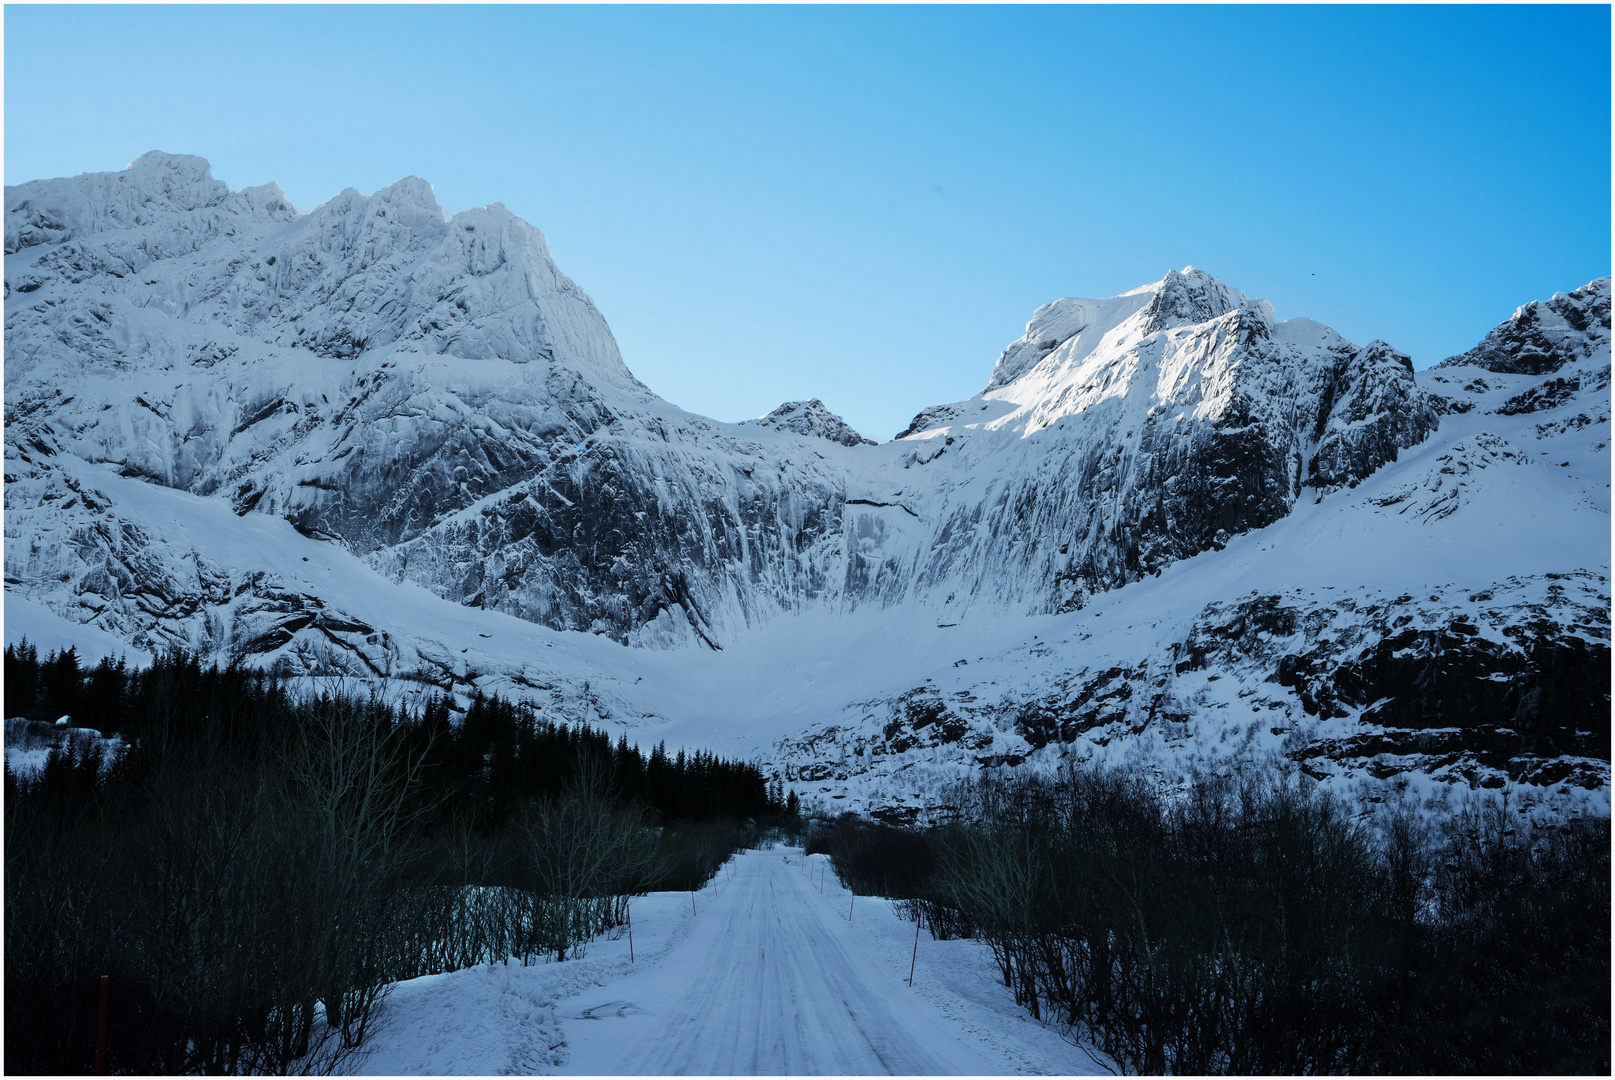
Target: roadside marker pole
[(849, 905), (101, 1032), (916, 955), (631, 939), (692, 901)]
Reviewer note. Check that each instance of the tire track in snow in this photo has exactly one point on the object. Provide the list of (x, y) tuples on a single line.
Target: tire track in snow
[(769, 981)]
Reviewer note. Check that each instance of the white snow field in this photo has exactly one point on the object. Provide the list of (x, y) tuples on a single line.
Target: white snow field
[(766, 977)]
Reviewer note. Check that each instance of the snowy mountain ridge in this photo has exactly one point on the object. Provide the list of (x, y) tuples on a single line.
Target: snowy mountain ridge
[(446, 419)]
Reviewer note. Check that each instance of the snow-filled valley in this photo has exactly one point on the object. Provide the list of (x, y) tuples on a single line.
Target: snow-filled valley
[(376, 442)]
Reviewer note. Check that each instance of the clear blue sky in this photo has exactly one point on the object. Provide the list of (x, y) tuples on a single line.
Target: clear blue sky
[(866, 204)]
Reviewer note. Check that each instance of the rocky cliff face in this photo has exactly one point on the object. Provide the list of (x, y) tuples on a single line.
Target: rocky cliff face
[(436, 408), (1370, 410)]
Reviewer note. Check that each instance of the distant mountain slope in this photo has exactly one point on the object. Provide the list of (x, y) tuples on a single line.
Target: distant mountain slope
[(446, 419)]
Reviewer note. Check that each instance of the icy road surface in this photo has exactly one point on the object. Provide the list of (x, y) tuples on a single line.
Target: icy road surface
[(770, 981)]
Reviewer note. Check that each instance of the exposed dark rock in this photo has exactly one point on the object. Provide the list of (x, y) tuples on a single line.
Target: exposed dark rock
[(1544, 335), (1546, 395), (1375, 410), (934, 417), (1480, 688)]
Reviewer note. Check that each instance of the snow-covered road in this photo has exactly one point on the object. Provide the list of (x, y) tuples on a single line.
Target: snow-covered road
[(764, 976), (769, 981)]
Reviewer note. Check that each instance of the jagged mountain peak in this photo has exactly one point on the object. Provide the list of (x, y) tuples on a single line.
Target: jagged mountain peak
[(1544, 335), (1377, 351), (1551, 356), (357, 274), (410, 191), (1128, 352), (1077, 325), (411, 200), (155, 185), (810, 417), (1187, 297)]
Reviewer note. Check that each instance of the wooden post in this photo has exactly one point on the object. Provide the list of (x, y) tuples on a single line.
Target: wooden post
[(692, 901), (916, 956), (849, 905), (101, 1032), (631, 935)]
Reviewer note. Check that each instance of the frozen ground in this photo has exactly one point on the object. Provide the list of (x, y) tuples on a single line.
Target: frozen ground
[(766, 977)]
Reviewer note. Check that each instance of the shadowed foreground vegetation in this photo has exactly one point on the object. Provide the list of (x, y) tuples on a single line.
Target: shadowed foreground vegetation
[(1253, 925), (255, 867)]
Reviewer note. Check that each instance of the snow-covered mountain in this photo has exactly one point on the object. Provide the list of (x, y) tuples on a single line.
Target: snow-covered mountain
[(810, 417), (1442, 619), (375, 439)]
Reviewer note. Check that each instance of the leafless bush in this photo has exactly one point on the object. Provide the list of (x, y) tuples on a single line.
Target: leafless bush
[(576, 854)]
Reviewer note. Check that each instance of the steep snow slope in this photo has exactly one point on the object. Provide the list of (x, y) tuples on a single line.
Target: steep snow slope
[(376, 440)]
